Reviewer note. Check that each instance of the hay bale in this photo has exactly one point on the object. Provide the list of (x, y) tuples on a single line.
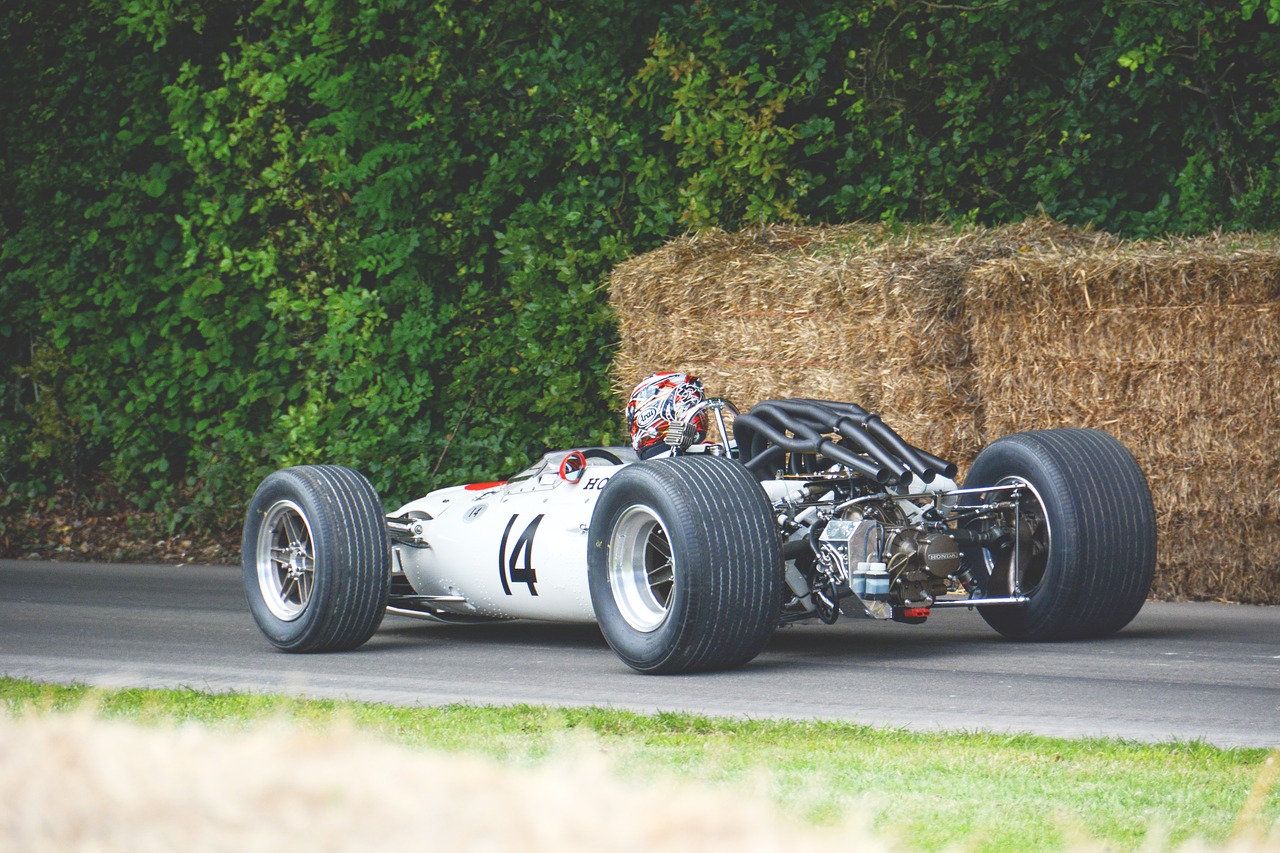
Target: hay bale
[(959, 337), (1173, 347), (72, 782), (863, 313)]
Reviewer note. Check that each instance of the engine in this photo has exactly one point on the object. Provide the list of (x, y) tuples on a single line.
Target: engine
[(870, 522), (877, 554)]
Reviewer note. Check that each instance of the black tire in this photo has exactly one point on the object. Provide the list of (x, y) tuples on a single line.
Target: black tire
[(719, 603), (317, 559), (1091, 567)]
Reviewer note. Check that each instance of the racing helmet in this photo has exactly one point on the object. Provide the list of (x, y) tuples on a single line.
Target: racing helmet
[(659, 401)]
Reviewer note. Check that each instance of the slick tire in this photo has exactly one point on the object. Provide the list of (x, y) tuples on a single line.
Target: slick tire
[(317, 559), (1090, 531), (685, 565)]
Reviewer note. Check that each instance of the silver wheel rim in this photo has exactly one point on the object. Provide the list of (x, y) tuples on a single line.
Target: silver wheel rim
[(642, 571), (286, 560)]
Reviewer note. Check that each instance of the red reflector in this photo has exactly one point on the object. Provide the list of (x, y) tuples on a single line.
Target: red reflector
[(916, 612), (480, 487)]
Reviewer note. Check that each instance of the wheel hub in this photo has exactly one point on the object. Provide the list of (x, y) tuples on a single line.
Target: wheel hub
[(286, 560), (642, 571)]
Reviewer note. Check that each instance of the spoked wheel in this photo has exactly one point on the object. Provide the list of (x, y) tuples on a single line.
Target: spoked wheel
[(286, 561), (317, 559), (685, 565)]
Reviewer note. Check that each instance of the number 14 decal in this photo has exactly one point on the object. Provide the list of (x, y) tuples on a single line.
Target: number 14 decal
[(509, 568)]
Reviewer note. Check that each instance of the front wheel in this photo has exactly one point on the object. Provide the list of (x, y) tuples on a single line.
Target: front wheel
[(1086, 534), (316, 559), (685, 565)]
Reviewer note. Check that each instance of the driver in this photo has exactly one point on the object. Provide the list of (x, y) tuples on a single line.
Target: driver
[(659, 401)]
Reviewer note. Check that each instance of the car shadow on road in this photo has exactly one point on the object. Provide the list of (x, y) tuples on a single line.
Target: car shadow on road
[(875, 643), (407, 631), (881, 644)]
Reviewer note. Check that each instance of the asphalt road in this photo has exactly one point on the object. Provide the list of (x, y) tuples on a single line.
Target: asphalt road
[(1179, 672)]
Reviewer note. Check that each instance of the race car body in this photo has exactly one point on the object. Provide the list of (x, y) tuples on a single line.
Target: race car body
[(470, 550), (689, 560)]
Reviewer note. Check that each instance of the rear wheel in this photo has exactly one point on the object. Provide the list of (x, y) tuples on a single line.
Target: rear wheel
[(316, 559), (1086, 533), (685, 565)]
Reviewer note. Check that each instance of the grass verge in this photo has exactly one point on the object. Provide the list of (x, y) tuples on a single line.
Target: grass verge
[(913, 791)]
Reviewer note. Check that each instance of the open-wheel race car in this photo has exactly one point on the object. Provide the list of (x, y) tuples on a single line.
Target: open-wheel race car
[(690, 552)]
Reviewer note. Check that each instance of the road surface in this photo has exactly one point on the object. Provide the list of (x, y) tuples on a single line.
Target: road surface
[(1179, 672)]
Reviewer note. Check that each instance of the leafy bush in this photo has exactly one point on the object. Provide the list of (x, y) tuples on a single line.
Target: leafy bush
[(243, 235)]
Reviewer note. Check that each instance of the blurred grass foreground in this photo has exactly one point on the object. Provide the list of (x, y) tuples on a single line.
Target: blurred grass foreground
[(164, 770)]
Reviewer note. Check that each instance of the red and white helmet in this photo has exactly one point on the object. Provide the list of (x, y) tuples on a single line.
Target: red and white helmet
[(660, 400)]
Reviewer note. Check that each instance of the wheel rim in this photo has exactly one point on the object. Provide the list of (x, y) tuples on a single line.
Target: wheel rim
[(286, 560), (1036, 536), (642, 571)]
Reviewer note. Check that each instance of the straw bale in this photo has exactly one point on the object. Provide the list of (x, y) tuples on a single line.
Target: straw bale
[(959, 337), (72, 782), (1219, 557), (1172, 346), (1136, 275), (1222, 486), (863, 313)]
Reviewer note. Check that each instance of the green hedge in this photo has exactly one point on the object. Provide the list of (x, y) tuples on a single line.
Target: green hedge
[(242, 235)]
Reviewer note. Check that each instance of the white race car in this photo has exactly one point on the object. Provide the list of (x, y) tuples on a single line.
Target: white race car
[(689, 553)]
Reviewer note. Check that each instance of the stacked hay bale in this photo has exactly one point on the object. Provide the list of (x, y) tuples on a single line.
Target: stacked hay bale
[(861, 313), (960, 337), (1174, 347), (847, 313)]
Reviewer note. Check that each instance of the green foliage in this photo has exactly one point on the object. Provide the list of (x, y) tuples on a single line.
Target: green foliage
[(311, 232), (235, 236), (727, 84), (1139, 117)]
